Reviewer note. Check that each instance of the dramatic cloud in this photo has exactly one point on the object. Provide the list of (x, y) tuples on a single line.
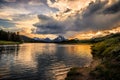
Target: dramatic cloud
[(22, 13), (96, 16), (55, 17), (49, 25), (113, 9)]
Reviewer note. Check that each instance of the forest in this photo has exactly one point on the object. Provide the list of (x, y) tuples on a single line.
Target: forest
[(10, 36)]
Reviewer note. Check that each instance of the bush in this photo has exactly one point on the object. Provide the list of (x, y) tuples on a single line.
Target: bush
[(109, 51)]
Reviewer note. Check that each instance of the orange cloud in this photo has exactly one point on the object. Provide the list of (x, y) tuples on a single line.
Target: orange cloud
[(92, 34)]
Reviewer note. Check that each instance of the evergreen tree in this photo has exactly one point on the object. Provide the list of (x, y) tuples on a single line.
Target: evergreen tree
[(10, 36)]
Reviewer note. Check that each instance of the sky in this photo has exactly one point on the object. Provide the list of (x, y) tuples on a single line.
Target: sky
[(70, 18)]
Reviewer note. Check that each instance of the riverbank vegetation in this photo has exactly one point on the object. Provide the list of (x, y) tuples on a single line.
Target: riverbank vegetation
[(9, 37), (8, 42), (106, 53), (109, 53), (90, 41)]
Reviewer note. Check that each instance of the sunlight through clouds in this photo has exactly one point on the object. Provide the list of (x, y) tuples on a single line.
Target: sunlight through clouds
[(59, 17)]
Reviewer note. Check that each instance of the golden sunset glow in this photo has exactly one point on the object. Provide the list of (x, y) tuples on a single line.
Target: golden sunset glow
[(91, 34), (26, 58), (50, 18), (59, 39), (81, 50)]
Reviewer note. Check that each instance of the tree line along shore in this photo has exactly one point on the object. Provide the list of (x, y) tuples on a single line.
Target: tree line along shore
[(9, 37)]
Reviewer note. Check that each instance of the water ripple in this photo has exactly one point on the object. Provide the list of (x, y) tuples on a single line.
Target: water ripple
[(41, 61)]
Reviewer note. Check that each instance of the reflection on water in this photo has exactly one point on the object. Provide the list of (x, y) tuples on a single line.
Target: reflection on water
[(41, 61)]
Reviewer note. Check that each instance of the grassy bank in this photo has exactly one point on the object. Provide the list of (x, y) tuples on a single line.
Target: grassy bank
[(109, 53), (8, 42), (106, 63)]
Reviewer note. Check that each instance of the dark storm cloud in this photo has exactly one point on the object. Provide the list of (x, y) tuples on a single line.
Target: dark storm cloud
[(113, 9), (50, 29), (43, 17), (93, 18), (97, 16), (94, 7), (49, 25)]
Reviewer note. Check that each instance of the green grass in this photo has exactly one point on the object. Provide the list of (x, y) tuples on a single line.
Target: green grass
[(8, 42), (108, 52)]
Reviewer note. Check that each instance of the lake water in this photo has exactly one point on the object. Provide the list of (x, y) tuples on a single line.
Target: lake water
[(41, 61)]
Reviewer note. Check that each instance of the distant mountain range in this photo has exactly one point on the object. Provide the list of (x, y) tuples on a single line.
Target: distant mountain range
[(26, 39), (57, 39), (64, 40)]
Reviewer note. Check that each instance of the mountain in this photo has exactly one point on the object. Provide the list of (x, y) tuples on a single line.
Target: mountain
[(36, 39), (26, 39), (59, 39), (42, 39), (47, 40)]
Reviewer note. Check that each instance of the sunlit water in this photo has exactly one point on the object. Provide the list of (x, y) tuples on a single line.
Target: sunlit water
[(33, 61)]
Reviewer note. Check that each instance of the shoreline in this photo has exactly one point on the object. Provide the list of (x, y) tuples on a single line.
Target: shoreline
[(105, 64), (9, 43), (83, 73)]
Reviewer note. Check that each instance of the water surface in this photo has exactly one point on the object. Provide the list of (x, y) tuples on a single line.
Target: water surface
[(41, 61)]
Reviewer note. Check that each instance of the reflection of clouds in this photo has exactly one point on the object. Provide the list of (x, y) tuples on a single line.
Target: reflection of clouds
[(80, 50), (74, 55), (25, 56), (28, 53), (45, 48), (7, 59), (43, 61), (49, 67), (57, 64)]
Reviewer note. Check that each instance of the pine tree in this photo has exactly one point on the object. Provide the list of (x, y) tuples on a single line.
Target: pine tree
[(10, 36)]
